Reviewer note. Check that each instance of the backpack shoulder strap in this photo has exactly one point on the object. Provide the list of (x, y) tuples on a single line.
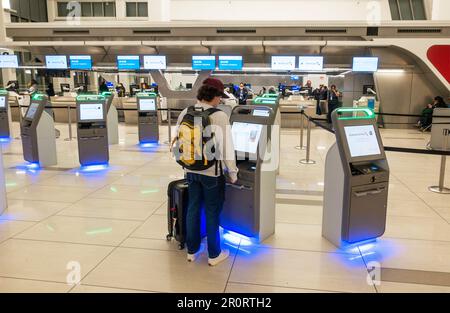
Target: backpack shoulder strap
[(212, 110)]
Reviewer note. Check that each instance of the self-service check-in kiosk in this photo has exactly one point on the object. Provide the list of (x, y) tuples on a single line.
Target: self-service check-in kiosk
[(38, 133), (5, 115), (112, 119), (356, 180), (92, 130), (249, 207), (148, 124)]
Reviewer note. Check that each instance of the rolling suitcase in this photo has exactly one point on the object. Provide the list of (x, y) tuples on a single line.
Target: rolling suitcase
[(177, 204)]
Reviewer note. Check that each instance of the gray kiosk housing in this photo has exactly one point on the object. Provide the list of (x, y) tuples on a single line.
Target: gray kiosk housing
[(148, 123), (5, 115), (92, 131), (356, 182), (249, 207), (112, 119), (37, 131)]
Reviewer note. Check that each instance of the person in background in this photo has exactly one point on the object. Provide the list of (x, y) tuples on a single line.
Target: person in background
[(272, 90), (309, 88), (427, 117), (103, 86), (12, 86), (32, 87), (333, 96), (262, 91), (209, 185), (242, 94), (50, 91), (121, 91), (316, 94), (439, 102)]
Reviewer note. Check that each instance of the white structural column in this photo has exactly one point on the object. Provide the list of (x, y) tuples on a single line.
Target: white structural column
[(159, 10), (440, 10), (3, 202), (7, 74)]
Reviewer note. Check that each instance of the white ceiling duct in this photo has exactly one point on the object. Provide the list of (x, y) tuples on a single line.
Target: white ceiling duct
[(168, 43), (113, 43), (219, 43)]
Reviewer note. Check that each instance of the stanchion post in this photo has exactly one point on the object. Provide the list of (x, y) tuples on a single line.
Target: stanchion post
[(308, 145), (20, 121), (69, 119), (302, 126), (169, 123), (441, 188)]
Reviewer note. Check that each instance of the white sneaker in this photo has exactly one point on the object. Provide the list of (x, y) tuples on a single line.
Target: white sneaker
[(192, 257), (222, 257)]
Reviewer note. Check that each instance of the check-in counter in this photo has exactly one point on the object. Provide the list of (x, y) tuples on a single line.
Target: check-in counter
[(292, 104), (13, 102), (131, 117), (60, 106)]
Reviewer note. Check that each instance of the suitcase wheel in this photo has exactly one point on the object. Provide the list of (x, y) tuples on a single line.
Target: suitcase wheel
[(169, 237), (181, 246)]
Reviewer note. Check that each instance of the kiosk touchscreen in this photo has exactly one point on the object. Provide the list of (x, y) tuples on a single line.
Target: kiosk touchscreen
[(92, 130), (356, 180), (112, 118), (249, 207), (148, 122), (5, 115), (38, 133)]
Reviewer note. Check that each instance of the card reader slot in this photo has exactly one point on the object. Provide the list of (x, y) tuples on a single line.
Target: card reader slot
[(369, 192)]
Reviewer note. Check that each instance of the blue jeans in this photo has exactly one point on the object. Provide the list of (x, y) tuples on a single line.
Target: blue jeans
[(210, 191)]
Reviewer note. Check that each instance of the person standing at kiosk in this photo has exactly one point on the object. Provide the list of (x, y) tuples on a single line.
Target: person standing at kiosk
[(206, 184)]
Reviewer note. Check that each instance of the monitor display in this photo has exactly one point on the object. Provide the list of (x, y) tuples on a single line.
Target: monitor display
[(128, 62), (9, 61), (362, 141), (155, 62), (91, 111), (204, 62), (246, 136), (2, 101), (58, 62), (365, 64), (147, 104), (284, 63), (32, 110), (310, 63), (261, 112), (230, 63), (80, 62)]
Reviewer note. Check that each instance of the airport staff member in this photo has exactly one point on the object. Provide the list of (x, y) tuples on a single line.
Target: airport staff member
[(242, 94), (121, 91), (209, 185), (333, 101)]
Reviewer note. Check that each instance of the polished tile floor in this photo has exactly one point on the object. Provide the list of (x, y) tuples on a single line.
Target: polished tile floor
[(109, 225)]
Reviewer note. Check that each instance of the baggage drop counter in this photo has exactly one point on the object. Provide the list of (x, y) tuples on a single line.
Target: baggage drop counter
[(5, 115), (92, 131), (249, 207), (356, 180), (148, 124), (37, 131)]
